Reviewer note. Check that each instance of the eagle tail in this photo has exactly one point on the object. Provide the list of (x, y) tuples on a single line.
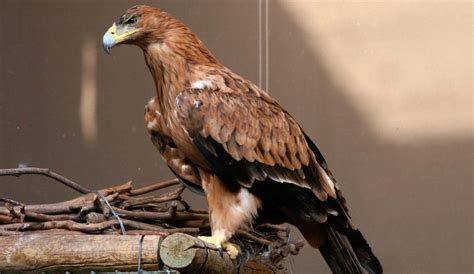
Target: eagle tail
[(349, 252)]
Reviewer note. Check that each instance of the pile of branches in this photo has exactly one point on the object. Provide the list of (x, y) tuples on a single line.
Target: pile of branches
[(123, 209)]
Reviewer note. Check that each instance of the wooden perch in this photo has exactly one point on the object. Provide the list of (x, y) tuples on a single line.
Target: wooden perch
[(191, 255), (84, 233), (45, 252), (81, 252)]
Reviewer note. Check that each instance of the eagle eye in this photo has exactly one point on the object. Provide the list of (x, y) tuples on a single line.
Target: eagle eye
[(132, 20)]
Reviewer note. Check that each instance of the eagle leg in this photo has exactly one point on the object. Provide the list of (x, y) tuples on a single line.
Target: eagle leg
[(228, 211)]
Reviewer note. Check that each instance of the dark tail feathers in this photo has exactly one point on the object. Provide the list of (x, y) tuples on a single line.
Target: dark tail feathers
[(349, 252)]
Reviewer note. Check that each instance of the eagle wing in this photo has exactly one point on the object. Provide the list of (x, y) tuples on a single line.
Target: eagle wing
[(177, 161), (246, 136)]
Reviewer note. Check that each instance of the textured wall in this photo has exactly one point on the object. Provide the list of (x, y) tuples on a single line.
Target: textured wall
[(385, 89)]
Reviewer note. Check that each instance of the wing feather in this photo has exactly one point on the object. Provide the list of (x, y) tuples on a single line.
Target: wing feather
[(244, 135), (179, 164)]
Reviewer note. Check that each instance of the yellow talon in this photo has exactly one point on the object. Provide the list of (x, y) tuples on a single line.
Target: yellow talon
[(212, 240), (231, 249)]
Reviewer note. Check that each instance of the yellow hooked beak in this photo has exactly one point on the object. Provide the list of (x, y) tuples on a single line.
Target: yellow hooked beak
[(116, 35)]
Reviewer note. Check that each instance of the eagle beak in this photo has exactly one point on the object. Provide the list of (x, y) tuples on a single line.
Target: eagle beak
[(116, 35)]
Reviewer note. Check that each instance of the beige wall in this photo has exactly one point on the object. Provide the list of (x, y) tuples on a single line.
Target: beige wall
[(384, 87)]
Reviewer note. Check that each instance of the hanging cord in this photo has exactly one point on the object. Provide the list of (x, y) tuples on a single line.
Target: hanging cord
[(267, 54), (260, 43), (140, 247), (205, 258), (122, 227)]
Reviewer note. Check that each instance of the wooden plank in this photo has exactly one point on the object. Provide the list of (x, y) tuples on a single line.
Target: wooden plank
[(43, 252), (61, 250)]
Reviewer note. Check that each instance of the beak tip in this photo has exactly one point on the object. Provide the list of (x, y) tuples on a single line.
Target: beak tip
[(107, 43), (106, 49)]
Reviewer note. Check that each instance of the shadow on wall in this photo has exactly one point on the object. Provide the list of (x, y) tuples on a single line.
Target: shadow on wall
[(411, 201)]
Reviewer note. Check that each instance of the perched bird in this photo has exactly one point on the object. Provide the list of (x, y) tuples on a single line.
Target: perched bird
[(221, 134)]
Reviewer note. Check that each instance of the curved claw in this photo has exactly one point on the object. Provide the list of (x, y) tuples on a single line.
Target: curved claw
[(231, 249), (221, 252)]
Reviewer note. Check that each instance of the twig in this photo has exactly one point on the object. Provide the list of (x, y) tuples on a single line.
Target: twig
[(10, 201), (174, 195), (186, 206), (200, 211), (202, 224), (123, 189), (272, 227), (140, 232), (5, 219), (254, 238), (155, 186), (172, 209), (293, 247), (45, 172), (103, 204), (107, 209), (154, 216), (85, 203), (44, 217), (92, 228), (94, 218), (71, 225), (86, 200)]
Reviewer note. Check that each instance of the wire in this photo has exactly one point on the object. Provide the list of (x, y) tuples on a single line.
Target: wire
[(122, 227), (140, 246), (205, 258)]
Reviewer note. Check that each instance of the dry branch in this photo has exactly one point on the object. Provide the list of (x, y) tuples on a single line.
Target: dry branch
[(119, 209), (195, 256), (43, 252), (45, 172), (168, 215), (140, 201), (82, 252), (155, 186)]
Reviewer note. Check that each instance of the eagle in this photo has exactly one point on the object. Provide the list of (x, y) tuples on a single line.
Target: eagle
[(223, 136)]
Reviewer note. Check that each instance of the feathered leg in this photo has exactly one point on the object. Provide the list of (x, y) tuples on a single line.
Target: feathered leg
[(227, 211)]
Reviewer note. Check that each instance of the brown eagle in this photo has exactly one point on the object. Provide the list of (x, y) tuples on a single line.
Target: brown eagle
[(221, 134)]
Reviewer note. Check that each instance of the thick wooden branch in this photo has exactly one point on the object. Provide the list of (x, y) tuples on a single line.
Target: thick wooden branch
[(44, 252), (191, 255), (81, 252)]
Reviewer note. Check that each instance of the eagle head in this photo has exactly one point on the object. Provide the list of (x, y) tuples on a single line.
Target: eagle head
[(159, 35), (139, 25)]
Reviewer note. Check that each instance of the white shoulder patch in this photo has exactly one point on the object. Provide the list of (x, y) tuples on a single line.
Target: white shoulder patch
[(201, 84), (152, 124)]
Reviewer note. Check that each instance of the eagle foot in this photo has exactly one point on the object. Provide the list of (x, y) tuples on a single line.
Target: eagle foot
[(231, 249)]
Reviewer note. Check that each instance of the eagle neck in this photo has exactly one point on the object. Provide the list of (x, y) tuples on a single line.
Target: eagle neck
[(170, 77), (172, 67)]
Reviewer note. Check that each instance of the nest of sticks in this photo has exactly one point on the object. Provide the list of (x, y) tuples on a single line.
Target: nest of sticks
[(123, 209)]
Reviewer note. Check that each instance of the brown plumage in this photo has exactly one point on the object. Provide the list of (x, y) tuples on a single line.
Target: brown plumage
[(220, 133)]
